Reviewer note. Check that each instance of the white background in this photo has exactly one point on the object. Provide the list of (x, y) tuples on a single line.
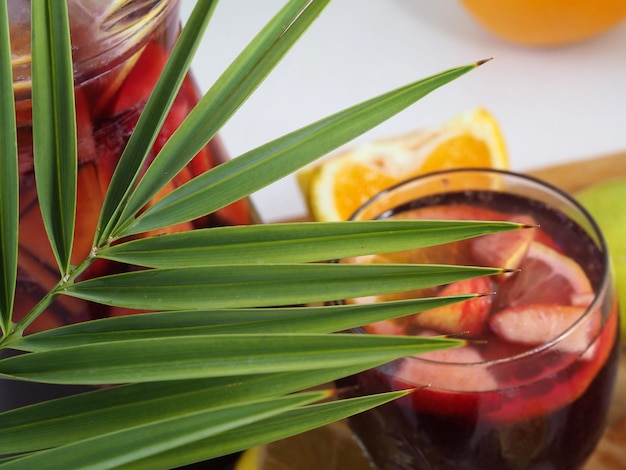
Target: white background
[(554, 105)]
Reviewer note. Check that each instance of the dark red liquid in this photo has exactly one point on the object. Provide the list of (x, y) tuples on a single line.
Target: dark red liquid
[(399, 437), (547, 409)]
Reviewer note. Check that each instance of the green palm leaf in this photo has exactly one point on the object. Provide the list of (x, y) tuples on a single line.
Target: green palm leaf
[(239, 80), (138, 442), (323, 319), (151, 120), (258, 168), (287, 424), (280, 243), (54, 125), (167, 449), (254, 285), (176, 358), (69, 419), (211, 372), (9, 172)]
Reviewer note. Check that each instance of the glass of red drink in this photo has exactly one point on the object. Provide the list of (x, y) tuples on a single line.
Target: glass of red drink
[(533, 386)]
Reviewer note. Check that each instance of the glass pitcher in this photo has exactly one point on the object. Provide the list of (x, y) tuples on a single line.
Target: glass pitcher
[(119, 51)]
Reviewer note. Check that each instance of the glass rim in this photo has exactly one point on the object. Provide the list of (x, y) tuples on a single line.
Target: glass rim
[(597, 236)]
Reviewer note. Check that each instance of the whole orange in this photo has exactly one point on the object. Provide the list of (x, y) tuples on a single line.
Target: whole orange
[(547, 22)]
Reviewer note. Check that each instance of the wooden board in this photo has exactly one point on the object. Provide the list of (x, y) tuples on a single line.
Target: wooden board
[(577, 175)]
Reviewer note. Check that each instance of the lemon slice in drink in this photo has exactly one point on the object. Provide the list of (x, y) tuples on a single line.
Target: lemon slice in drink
[(337, 186)]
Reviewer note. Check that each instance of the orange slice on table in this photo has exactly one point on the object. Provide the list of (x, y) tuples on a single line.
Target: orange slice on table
[(335, 187)]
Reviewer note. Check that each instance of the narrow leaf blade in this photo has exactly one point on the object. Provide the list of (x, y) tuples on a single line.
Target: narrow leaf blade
[(324, 319), (131, 444), (235, 85), (156, 359), (254, 170), (10, 177), (69, 419), (54, 125), (263, 285), (285, 425), (280, 243), (153, 116)]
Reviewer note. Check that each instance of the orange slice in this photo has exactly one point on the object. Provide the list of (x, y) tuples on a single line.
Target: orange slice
[(337, 186)]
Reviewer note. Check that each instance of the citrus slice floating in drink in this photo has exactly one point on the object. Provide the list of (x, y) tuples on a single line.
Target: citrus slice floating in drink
[(548, 277), (337, 186), (538, 324), (506, 249)]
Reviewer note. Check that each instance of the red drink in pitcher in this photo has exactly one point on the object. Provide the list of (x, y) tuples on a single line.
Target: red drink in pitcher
[(120, 49), (533, 386)]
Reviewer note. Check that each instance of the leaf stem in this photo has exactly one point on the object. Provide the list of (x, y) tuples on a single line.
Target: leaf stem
[(18, 328)]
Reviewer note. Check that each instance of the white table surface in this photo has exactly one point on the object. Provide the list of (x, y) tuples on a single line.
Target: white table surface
[(554, 105)]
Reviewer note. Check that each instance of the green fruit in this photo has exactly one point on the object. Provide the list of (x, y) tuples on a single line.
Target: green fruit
[(607, 204)]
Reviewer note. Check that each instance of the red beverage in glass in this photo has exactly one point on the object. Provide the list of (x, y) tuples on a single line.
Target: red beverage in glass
[(533, 386), (120, 49)]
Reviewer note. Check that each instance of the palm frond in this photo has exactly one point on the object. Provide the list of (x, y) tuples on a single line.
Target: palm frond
[(259, 167), (216, 364), (280, 243), (136, 151)]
